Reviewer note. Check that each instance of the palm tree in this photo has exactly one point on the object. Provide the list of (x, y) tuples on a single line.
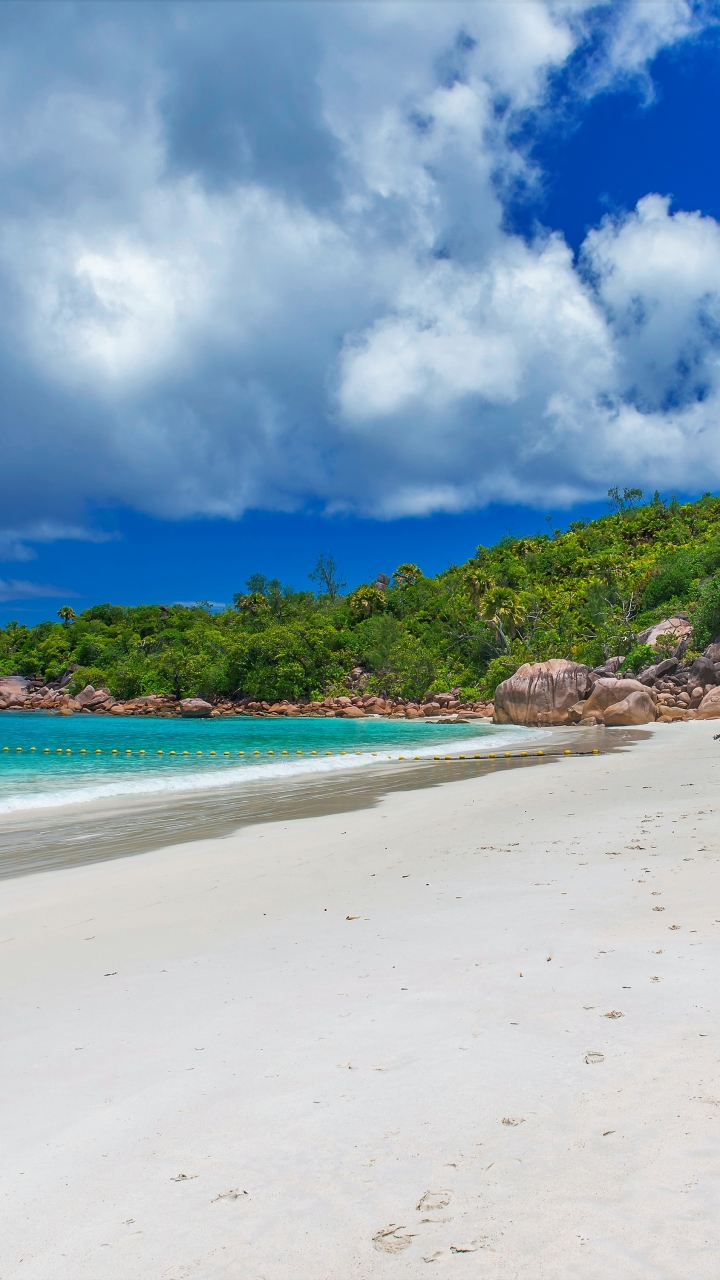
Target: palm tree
[(67, 614)]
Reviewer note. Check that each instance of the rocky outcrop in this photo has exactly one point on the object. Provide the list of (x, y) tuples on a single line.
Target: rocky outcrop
[(637, 708), (702, 672), (677, 627), (607, 691), (709, 708), (541, 693), (194, 708)]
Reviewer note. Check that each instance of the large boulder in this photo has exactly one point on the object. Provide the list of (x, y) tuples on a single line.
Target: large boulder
[(713, 651), (637, 708), (194, 708), (541, 692), (15, 687), (702, 672), (678, 628), (709, 708), (608, 691)]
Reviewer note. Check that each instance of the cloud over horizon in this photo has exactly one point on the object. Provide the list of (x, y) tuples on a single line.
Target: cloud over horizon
[(258, 256)]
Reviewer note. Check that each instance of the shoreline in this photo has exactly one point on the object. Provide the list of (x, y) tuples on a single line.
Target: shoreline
[(475, 1027), (36, 839)]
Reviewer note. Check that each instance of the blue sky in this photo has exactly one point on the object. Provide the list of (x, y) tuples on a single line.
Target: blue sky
[(383, 280)]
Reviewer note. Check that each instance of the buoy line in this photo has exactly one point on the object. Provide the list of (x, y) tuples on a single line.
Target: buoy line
[(115, 751)]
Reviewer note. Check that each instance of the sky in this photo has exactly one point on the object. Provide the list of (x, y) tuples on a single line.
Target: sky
[(381, 280)]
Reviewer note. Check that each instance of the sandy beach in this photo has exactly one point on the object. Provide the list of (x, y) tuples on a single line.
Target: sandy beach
[(376, 1042)]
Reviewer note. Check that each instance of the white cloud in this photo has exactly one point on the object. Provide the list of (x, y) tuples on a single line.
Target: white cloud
[(16, 589), (250, 267)]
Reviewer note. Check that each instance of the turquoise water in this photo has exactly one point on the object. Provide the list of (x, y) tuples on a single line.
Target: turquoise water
[(54, 760)]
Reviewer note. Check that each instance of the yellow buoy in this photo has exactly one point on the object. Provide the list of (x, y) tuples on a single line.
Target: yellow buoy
[(241, 753), (46, 750), (461, 757), (83, 752), (507, 753), (272, 753), (595, 751), (447, 757), (568, 753), (213, 753), (401, 757), (313, 753), (328, 753), (141, 752), (539, 753), (298, 753), (18, 748), (128, 752), (186, 753), (523, 753), (172, 753), (6, 748), (33, 748), (478, 757), (492, 755), (59, 751), (375, 753), (226, 753), (198, 753), (256, 753), (417, 757), (434, 757), (98, 752), (68, 751), (114, 751), (161, 753), (343, 753)]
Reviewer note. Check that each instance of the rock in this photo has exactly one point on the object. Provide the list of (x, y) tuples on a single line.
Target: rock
[(709, 708), (541, 692), (677, 626), (607, 691), (636, 708), (668, 714), (351, 713), (13, 686), (86, 696), (713, 651), (194, 708), (702, 672)]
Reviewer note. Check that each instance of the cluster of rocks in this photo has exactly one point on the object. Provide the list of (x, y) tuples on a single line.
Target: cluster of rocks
[(17, 693), (560, 692)]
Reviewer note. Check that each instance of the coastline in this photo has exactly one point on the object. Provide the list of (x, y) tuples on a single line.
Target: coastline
[(39, 838), (331, 1048)]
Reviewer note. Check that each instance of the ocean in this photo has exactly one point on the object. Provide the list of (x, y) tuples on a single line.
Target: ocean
[(48, 760)]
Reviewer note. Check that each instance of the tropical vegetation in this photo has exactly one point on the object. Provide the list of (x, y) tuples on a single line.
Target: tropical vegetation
[(585, 594)]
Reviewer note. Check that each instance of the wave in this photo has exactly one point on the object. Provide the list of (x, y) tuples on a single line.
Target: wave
[(212, 779)]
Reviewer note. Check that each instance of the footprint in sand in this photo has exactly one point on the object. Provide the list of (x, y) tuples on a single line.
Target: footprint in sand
[(592, 1056), (388, 1240), (434, 1200)]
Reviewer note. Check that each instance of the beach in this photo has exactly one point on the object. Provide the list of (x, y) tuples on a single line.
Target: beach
[(374, 1042)]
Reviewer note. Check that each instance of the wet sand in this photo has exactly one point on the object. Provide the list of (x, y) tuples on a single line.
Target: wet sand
[(375, 1042), (71, 835)]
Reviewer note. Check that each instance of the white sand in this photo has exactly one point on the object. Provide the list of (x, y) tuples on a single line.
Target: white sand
[(353, 1076)]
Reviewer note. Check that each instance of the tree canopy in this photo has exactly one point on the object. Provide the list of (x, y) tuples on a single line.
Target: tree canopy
[(584, 594)]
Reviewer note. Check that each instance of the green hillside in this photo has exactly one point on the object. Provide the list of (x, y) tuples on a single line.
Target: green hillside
[(584, 594)]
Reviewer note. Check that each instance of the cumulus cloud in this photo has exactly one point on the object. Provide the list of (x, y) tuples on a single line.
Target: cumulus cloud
[(12, 589), (256, 255)]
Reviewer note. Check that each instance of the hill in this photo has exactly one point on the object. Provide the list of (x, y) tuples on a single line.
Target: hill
[(583, 594)]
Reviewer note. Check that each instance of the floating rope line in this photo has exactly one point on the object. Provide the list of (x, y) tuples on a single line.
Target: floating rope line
[(141, 751)]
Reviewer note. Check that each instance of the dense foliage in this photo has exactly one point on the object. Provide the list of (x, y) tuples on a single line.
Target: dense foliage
[(584, 594)]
